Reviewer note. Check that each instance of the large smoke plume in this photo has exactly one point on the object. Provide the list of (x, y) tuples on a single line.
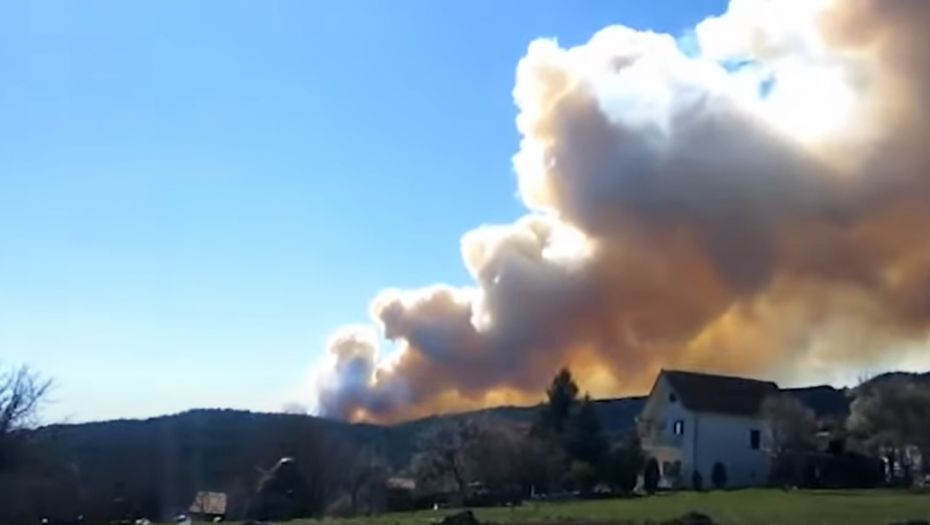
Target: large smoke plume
[(752, 201)]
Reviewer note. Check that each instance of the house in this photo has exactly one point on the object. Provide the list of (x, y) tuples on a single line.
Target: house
[(691, 421), (208, 506), (399, 483)]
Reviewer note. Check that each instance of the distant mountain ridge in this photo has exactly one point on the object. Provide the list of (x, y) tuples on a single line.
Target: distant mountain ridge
[(617, 415), (211, 449)]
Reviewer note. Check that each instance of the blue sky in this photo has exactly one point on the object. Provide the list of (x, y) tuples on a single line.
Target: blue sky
[(194, 194)]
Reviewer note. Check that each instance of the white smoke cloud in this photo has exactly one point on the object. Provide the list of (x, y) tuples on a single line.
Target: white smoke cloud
[(736, 207)]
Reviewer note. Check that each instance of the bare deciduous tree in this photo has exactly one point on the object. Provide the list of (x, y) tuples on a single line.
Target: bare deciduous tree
[(22, 394), (479, 452), (896, 412), (791, 426), (22, 467), (791, 429), (366, 477), (494, 458), (441, 460), (892, 418)]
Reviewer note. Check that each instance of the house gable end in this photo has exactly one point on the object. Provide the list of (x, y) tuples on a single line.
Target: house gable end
[(663, 407), (659, 398)]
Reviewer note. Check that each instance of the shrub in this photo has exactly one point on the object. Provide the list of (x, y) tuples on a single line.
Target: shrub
[(651, 476), (582, 476), (719, 476), (624, 464), (697, 480), (341, 507)]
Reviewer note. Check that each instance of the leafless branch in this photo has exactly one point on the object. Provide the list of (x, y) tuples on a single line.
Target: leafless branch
[(22, 394)]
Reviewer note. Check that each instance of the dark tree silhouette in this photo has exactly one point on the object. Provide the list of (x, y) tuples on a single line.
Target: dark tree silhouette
[(651, 476), (22, 393), (697, 480), (561, 398), (719, 476), (624, 463), (584, 436)]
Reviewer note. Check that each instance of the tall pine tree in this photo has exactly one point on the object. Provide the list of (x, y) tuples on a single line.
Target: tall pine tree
[(584, 436), (561, 398), (572, 428)]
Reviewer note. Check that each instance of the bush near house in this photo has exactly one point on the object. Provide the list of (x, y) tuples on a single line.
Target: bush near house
[(651, 476), (719, 476), (842, 470), (697, 481)]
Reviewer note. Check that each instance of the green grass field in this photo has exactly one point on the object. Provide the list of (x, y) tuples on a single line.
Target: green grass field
[(748, 507)]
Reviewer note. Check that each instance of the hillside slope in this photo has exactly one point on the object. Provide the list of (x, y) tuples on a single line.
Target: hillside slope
[(221, 435), (170, 457)]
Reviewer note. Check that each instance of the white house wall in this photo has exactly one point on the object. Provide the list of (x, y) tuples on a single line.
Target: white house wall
[(726, 439), (707, 439)]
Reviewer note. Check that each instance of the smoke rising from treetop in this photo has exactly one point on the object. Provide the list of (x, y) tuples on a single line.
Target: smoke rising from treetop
[(755, 209)]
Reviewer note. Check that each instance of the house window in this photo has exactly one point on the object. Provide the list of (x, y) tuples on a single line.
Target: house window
[(754, 439), (678, 428), (672, 397)]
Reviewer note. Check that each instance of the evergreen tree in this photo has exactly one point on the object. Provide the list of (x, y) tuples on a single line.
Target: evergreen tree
[(584, 436), (561, 398), (571, 426)]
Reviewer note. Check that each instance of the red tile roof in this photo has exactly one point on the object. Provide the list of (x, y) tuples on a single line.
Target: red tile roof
[(719, 394)]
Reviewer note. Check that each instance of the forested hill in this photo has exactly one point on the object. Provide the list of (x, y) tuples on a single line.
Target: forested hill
[(223, 435), (158, 463)]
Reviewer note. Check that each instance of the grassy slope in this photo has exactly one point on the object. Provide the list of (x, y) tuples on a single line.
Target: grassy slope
[(749, 507)]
